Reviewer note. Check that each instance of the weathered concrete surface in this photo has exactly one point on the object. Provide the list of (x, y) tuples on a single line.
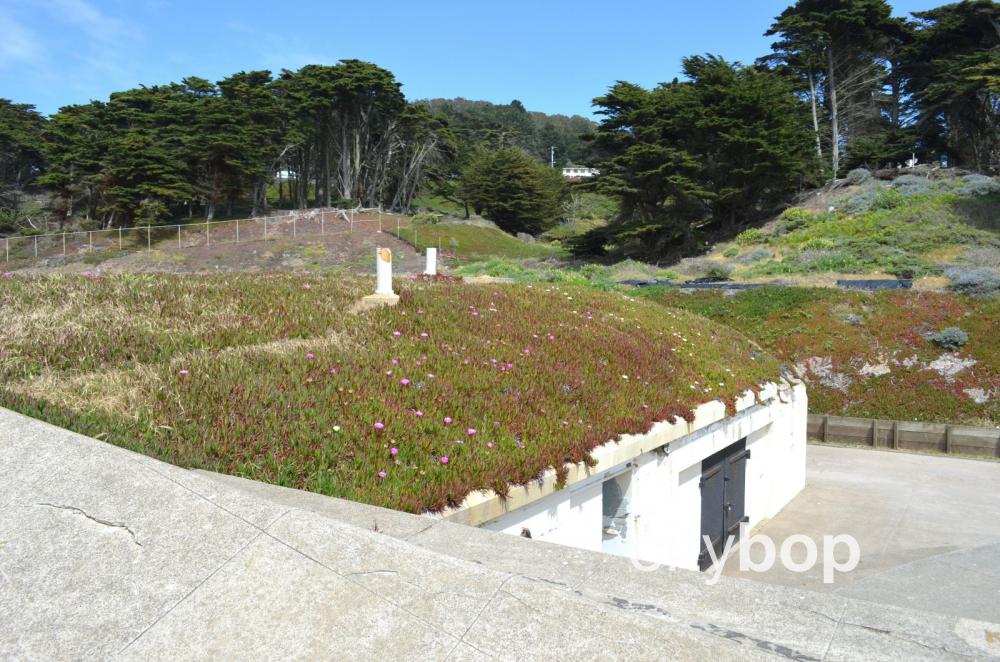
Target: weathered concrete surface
[(105, 553), (928, 527)]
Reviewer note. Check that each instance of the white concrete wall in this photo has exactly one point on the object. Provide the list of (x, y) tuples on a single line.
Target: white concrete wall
[(665, 497)]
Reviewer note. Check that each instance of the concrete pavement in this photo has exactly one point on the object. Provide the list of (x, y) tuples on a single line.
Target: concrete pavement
[(928, 527), (109, 554)]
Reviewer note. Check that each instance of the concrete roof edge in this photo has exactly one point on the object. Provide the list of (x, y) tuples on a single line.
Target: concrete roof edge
[(486, 505)]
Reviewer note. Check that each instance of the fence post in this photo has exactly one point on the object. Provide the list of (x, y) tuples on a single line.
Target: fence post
[(149, 238), (6, 255), (36, 246), (895, 434), (90, 241), (265, 228), (322, 222), (947, 439), (208, 234), (295, 226), (64, 244), (826, 428), (237, 230), (119, 237), (179, 245), (380, 219)]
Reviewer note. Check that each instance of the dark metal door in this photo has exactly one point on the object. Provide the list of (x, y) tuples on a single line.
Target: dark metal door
[(723, 499)]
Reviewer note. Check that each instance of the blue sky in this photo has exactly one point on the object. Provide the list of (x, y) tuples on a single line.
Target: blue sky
[(553, 55)]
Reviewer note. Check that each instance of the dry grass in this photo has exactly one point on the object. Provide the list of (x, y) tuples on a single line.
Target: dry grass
[(121, 392)]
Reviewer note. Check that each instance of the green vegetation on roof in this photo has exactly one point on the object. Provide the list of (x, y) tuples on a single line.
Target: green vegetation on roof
[(457, 388)]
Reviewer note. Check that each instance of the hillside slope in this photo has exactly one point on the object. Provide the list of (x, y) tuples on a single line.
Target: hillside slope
[(872, 355), (927, 227)]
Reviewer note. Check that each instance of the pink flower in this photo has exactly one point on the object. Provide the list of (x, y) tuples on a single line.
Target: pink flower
[(310, 356), (393, 451), (396, 333), (404, 381), (333, 371), (8, 274), (307, 286), (424, 334), (418, 413), (381, 474), (444, 459), (489, 444), (395, 362), (447, 420), (379, 426), (388, 372), (471, 432), (183, 373)]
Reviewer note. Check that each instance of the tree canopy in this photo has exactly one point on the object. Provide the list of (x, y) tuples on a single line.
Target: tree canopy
[(724, 146), (517, 192)]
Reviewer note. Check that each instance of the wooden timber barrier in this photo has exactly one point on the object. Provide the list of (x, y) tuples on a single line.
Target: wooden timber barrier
[(906, 435)]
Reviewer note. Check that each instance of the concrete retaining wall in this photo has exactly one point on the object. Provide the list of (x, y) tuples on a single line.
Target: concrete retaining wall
[(906, 435)]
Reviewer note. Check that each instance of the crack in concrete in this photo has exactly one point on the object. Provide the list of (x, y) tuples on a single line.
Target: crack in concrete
[(486, 604), (374, 572), (191, 592), (423, 530), (714, 630), (942, 648), (98, 520)]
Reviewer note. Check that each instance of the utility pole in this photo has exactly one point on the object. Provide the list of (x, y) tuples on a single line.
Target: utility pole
[(552, 156)]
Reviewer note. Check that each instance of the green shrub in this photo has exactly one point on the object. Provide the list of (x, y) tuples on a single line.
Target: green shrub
[(750, 236), (979, 281), (426, 218), (718, 272), (888, 199), (911, 185), (756, 255), (950, 338), (860, 201), (732, 251), (975, 185), (858, 176), (818, 244), (792, 219)]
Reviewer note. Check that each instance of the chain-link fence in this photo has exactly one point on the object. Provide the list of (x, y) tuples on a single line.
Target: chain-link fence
[(287, 225)]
